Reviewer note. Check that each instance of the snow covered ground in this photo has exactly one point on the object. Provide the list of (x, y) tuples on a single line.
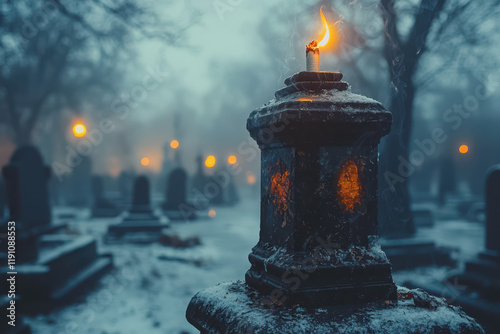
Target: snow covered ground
[(152, 285), (150, 288)]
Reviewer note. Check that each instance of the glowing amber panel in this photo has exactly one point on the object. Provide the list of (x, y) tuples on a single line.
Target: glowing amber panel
[(349, 185), (280, 188)]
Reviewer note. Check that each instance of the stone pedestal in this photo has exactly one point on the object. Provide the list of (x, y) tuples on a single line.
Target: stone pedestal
[(237, 308), (318, 267)]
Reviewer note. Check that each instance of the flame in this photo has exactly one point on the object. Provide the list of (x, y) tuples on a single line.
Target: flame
[(327, 34), (315, 45)]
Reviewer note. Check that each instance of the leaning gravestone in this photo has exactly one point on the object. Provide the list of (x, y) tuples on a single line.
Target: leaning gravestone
[(50, 267), (102, 207), (176, 206), (141, 224)]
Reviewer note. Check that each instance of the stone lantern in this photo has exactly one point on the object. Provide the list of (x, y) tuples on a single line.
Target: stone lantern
[(318, 266)]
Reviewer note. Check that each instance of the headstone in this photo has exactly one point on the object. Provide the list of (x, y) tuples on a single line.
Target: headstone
[(176, 206), (141, 224), (493, 211), (318, 267), (68, 262), (141, 195), (26, 179), (176, 189), (102, 207)]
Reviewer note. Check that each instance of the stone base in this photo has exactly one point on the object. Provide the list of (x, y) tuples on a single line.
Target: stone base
[(408, 253), (66, 265), (237, 308)]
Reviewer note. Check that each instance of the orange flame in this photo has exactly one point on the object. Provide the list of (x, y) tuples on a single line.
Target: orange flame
[(327, 33), (315, 45)]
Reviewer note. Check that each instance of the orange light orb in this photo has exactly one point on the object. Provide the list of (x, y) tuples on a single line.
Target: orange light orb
[(210, 161), (79, 130), (174, 144), (144, 161), (232, 159), (211, 213), (463, 149)]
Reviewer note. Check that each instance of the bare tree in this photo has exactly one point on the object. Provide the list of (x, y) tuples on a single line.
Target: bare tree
[(56, 53), (440, 27)]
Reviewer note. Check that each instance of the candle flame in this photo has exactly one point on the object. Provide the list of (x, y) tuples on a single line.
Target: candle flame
[(315, 45), (327, 34)]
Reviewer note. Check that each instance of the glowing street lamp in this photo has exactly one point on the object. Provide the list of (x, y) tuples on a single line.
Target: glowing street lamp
[(463, 149), (210, 161), (232, 159), (145, 161), (79, 130), (174, 144)]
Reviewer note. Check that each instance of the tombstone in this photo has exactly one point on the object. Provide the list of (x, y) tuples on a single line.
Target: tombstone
[(477, 289), (102, 207), (141, 224), (318, 267), (176, 206), (51, 267), (141, 196)]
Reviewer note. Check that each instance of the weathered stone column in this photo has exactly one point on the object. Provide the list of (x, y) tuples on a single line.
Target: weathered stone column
[(318, 245)]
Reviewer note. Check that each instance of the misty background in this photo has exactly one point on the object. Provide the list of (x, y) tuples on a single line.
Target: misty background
[(64, 62)]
